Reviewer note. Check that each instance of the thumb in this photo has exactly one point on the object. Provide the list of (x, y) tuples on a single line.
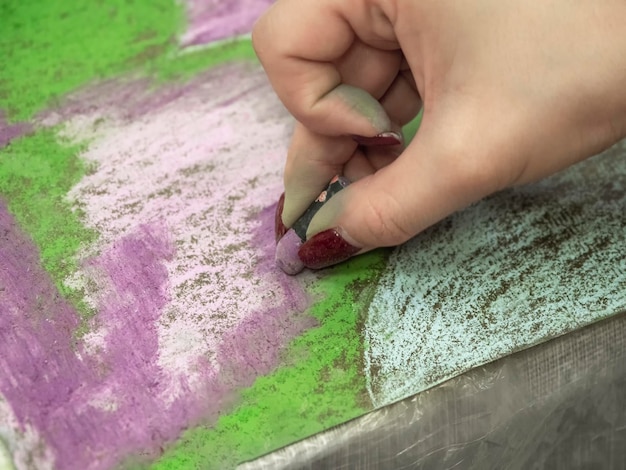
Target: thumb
[(433, 178)]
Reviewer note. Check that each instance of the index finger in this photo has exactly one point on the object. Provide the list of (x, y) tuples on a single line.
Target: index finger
[(298, 41)]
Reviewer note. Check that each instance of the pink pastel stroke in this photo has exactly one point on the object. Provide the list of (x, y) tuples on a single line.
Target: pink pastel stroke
[(210, 21)]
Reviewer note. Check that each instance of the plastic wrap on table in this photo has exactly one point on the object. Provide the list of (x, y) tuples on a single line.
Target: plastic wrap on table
[(559, 405)]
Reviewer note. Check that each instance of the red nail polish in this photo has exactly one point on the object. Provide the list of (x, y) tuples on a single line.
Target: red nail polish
[(384, 138), (325, 249), (279, 227)]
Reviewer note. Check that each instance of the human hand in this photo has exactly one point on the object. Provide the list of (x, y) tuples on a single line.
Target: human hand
[(511, 92)]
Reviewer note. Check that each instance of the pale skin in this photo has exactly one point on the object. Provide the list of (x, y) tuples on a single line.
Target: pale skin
[(512, 91)]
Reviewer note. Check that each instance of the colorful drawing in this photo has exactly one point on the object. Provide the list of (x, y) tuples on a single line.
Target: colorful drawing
[(143, 322)]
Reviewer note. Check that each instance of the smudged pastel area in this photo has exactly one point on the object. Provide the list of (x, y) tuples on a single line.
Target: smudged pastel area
[(182, 159), (129, 338), (35, 174), (91, 409), (49, 385), (221, 223), (10, 131), (252, 345), (321, 383), (21, 443)]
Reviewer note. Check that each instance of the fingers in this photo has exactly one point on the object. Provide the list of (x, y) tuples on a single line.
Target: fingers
[(313, 159), (330, 83), (429, 181), (373, 70), (401, 101), (299, 44)]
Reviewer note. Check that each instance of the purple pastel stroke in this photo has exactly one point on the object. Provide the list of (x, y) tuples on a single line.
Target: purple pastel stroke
[(8, 132), (125, 100), (253, 347), (134, 99), (95, 410), (40, 372), (213, 20), (36, 327), (51, 384)]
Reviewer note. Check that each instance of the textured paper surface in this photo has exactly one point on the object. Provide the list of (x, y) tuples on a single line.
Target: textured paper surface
[(142, 321)]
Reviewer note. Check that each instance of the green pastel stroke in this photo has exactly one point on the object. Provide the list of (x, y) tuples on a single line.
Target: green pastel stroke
[(324, 385), (35, 175), (50, 48), (53, 48)]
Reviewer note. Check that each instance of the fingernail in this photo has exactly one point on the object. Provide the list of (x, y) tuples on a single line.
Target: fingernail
[(286, 256), (384, 138), (279, 227), (289, 241), (325, 249), (362, 103)]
